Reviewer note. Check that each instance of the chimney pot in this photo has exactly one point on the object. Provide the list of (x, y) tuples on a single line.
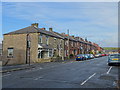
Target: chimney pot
[(73, 36), (35, 25), (50, 29), (42, 28)]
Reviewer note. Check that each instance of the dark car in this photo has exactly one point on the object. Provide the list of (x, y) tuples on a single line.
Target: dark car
[(80, 57), (114, 59)]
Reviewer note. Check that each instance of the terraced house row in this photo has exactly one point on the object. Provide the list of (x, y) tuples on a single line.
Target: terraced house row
[(34, 44)]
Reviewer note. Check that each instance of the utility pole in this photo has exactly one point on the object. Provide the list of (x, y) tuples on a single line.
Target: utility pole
[(68, 44), (28, 49)]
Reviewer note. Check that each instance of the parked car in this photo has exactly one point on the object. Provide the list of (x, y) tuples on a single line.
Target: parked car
[(103, 54), (91, 56), (97, 55), (80, 57), (100, 55), (107, 54), (86, 56), (114, 59)]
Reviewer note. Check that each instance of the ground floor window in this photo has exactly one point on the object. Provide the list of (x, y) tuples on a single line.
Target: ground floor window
[(50, 52), (45, 53), (10, 52)]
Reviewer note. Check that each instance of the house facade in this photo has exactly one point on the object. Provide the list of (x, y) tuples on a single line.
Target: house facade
[(31, 44)]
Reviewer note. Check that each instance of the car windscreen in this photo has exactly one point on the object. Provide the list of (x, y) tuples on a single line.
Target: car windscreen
[(115, 56), (79, 55)]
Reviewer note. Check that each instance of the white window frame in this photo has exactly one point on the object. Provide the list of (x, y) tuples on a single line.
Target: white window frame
[(10, 50), (40, 37)]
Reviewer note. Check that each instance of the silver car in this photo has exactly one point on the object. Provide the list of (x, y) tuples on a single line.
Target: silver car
[(114, 59)]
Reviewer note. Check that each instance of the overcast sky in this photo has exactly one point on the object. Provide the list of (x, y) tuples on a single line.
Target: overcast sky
[(95, 20)]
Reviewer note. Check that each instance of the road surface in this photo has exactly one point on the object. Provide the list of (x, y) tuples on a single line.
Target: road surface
[(93, 73)]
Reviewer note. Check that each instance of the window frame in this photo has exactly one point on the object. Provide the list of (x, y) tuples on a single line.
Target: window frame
[(8, 52), (40, 38)]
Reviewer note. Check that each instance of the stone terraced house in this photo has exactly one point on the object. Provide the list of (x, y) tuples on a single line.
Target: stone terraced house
[(33, 44)]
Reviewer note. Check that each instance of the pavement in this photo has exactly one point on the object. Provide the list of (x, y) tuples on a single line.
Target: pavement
[(11, 68), (16, 68), (93, 73)]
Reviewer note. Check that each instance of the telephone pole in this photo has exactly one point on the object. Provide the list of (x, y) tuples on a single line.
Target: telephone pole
[(68, 44)]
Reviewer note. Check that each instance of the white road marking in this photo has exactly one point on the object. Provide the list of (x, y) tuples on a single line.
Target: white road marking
[(88, 79), (109, 70)]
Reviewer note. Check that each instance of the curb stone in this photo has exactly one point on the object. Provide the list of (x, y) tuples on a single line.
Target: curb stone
[(16, 69)]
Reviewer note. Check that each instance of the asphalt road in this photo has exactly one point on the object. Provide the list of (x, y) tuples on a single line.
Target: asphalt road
[(93, 73)]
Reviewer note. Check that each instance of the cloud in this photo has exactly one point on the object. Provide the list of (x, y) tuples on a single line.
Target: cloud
[(97, 21)]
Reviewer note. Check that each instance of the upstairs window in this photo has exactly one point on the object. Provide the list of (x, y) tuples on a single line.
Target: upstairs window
[(55, 40), (0, 52), (47, 40), (10, 52), (40, 38)]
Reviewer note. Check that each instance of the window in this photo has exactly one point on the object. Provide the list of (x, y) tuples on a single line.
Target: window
[(47, 40), (50, 52), (10, 52), (40, 38), (72, 44), (28, 44), (67, 52), (55, 38), (39, 53), (66, 43), (0, 52)]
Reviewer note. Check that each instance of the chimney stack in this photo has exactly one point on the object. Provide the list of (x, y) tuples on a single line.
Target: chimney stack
[(35, 25), (50, 29), (63, 33), (72, 36), (42, 28)]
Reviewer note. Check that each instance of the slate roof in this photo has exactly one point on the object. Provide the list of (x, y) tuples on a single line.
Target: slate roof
[(66, 37), (29, 29), (32, 29)]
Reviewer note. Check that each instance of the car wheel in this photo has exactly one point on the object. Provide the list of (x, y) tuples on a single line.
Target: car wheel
[(109, 64)]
